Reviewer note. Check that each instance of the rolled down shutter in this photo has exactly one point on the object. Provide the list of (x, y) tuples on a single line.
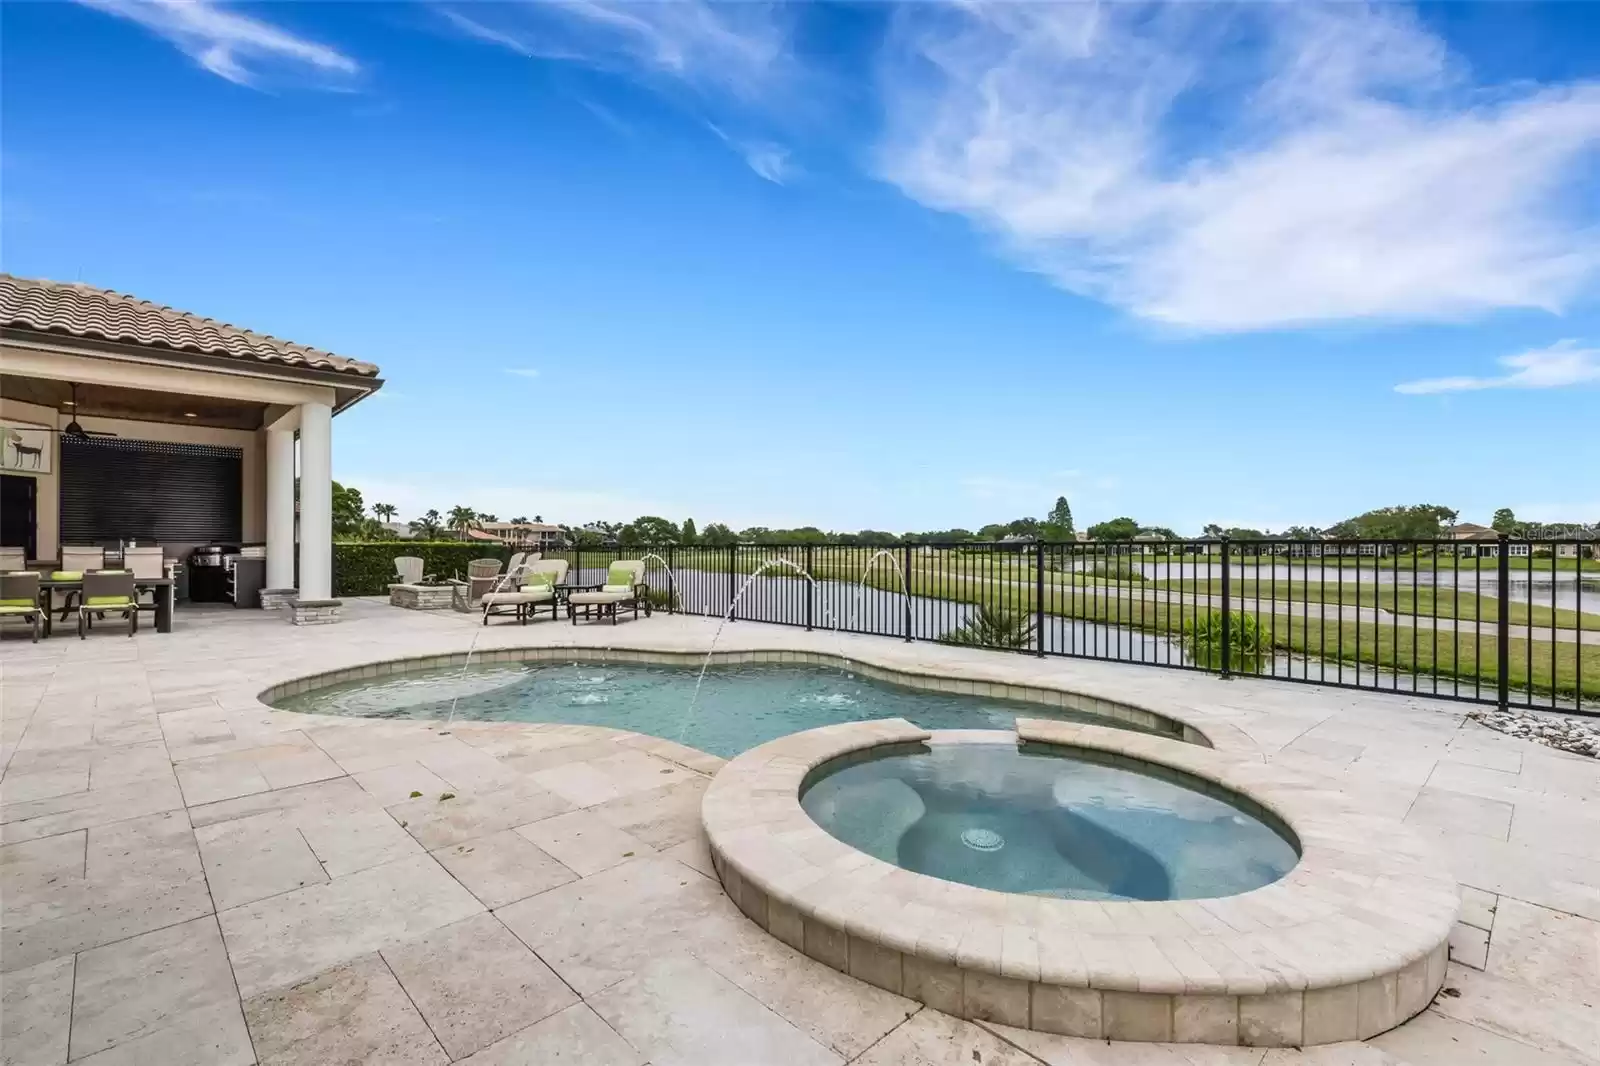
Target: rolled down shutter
[(113, 488)]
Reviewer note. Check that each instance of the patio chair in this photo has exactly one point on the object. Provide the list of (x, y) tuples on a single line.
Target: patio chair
[(107, 593), (624, 587), (142, 563), (538, 586), (13, 558), (482, 575), (408, 570), (19, 598), (76, 560)]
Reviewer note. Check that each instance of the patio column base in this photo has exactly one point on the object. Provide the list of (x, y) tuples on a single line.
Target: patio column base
[(314, 612), (277, 599)]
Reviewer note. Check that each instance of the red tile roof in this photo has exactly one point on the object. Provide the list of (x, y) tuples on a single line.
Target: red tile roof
[(84, 311)]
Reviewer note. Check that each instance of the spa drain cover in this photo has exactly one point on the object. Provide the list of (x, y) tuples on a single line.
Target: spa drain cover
[(979, 839)]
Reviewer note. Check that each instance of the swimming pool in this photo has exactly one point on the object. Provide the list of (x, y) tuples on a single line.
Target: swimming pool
[(739, 706)]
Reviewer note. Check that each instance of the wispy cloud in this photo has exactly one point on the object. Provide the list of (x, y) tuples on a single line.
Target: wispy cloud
[(471, 27), (731, 48), (1557, 366), (522, 371), (769, 161), (1142, 156), (226, 42)]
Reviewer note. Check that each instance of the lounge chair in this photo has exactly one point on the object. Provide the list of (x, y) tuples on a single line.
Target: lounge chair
[(19, 598), (107, 593), (624, 587), (538, 587), (75, 562)]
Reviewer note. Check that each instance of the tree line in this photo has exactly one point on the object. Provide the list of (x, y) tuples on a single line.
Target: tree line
[(353, 519)]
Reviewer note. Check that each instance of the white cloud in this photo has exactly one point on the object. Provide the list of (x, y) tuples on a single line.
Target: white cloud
[(1339, 168), (523, 372), (226, 42), (769, 161), (1557, 366), (737, 48)]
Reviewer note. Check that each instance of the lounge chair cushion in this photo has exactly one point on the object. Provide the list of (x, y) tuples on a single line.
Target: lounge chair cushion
[(66, 575), (620, 575), (527, 595), (540, 578), (24, 602), (108, 601), (603, 596), (15, 608)]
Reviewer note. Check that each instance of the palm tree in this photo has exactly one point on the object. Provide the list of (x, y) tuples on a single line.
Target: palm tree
[(463, 519), (539, 519), (427, 527), (385, 511), (484, 516), (520, 520)]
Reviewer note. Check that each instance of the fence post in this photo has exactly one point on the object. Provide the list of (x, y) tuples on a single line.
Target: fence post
[(1502, 636), (672, 580), (1038, 598), (905, 588), (733, 586), (1227, 610), (811, 588)]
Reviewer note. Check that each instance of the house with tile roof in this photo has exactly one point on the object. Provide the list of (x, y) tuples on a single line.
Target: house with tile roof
[(125, 420)]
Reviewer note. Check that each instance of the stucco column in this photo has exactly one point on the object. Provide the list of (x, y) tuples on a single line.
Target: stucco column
[(280, 508), (316, 501)]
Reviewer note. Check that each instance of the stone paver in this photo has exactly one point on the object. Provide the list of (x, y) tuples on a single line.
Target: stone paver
[(356, 1012), (168, 843), (475, 982)]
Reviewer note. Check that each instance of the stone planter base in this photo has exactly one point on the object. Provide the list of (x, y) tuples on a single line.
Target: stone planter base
[(314, 612), (277, 599), (420, 597)]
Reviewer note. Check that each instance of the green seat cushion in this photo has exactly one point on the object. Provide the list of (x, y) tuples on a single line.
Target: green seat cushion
[(542, 578), (66, 575), (108, 601), (620, 575), (12, 608), (20, 601)]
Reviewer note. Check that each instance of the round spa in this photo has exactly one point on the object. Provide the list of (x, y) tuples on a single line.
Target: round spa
[(1046, 821), (1082, 880)]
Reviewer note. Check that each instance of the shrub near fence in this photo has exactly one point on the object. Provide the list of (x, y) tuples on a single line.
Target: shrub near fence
[(367, 569)]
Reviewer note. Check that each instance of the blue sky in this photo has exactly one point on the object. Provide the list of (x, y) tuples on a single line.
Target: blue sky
[(863, 266)]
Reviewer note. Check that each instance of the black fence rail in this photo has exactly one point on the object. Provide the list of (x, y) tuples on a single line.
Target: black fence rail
[(1501, 621)]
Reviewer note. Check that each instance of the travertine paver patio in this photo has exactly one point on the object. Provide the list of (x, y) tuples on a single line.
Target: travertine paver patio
[(188, 877)]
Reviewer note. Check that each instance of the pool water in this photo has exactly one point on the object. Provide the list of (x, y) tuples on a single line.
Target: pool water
[(739, 706), (1042, 822)]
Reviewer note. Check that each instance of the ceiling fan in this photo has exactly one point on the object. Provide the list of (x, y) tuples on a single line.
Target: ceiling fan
[(75, 431)]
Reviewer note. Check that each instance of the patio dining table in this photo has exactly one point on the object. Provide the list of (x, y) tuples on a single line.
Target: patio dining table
[(161, 585)]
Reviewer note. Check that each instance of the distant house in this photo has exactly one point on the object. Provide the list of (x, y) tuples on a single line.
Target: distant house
[(1480, 542), (540, 536)]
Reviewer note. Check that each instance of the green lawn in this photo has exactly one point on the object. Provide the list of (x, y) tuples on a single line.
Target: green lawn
[(1406, 600), (1554, 666)]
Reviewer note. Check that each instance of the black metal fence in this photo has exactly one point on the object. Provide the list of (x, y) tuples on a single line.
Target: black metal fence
[(1501, 621)]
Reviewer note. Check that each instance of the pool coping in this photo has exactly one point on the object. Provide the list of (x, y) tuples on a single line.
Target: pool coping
[(1350, 943), (923, 680)]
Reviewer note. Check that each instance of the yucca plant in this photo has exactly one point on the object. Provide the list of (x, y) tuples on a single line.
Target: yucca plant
[(1249, 644), (990, 627)]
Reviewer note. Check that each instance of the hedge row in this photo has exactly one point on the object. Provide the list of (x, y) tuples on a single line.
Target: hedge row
[(367, 569)]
